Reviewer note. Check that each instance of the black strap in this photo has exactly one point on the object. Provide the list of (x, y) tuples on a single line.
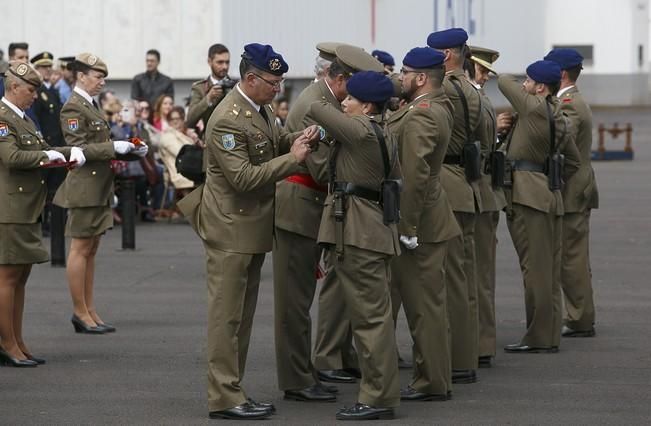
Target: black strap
[(552, 125), (383, 149), (464, 103), (527, 166), (358, 191), (332, 164)]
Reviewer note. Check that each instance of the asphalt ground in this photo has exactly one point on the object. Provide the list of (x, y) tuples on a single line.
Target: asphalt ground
[(152, 371)]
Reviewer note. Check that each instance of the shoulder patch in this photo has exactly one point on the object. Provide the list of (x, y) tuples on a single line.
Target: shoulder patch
[(228, 141), (423, 105), (73, 124), (4, 130)]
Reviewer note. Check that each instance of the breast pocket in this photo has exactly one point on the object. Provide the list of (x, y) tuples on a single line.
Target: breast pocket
[(98, 132), (30, 142)]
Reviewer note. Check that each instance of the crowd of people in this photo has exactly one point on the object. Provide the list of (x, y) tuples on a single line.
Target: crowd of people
[(385, 186)]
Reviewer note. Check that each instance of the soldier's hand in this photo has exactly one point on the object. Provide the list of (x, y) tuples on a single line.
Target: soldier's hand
[(409, 242), (504, 122), (77, 155), (54, 156), (123, 147), (215, 93), (300, 148)]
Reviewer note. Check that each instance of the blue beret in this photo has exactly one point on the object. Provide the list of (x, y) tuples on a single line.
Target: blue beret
[(445, 39), (384, 57), (423, 57), (370, 86), (262, 56), (565, 58), (546, 72)]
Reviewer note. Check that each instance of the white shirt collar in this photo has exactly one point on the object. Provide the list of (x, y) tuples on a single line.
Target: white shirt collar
[(47, 84), (329, 88), (14, 108), (563, 90), (214, 81), (253, 104), (84, 94)]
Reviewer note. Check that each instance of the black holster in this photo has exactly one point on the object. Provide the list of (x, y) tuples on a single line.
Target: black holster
[(497, 163), (390, 200), (471, 160), (554, 171), (339, 198)]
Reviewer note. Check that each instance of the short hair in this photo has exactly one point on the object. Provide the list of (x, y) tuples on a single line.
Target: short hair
[(15, 46), (154, 52), (178, 109), (321, 64), (573, 73), (245, 66), (336, 69), (103, 95), (217, 49), (553, 87), (436, 74)]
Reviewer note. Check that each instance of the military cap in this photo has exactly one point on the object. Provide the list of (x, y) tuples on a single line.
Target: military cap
[(327, 50), (43, 59), (66, 61), (354, 59), (263, 57), (25, 72), (370, 86), (384, 57), (547, 72), (452, 37), (91, 61), (484, 57), (565, 58), (423, 57)]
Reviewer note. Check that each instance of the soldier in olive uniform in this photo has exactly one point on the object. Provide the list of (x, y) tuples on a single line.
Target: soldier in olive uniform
[(88, 191), (479, 70), (354, 231), (207, 93), (535, 209), (22, 152), (299, 206), (423, 128), (580, 196), (233, 215), (464, 196)]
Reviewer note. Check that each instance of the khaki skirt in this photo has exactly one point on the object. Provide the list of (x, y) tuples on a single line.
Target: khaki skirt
[(86, 222), (22, 244)]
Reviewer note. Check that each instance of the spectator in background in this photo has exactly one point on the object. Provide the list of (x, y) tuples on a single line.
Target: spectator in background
[(151, 84), (386, 59), (281, 109), (66, 80), (162, 108)]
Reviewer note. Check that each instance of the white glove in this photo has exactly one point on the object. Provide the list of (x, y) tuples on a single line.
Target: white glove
[(76, 154), (409, 242), (123, 147), (141, 150), (55, 156)]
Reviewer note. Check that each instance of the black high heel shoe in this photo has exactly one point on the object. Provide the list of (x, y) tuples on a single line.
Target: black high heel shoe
[(39, 361), (108, 328), (81, 327), (8, 360)]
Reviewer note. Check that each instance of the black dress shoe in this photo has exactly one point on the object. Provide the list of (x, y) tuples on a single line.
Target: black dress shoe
[(335, 376), (328, 388), (313, 393), (518, 348), (411, 394), (464, 376), (570, 332), (365, 412), (404, 364), (108, 328), (485, 361), (245, 411), (81, 327), (355, 372), (8, 360), (39, 361), (262, 405)]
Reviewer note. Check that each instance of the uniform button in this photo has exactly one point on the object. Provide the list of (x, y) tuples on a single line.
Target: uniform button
[(98, 128), (29, 142), (241, 210), (93, 172), (41, 163), (20, 189), (42, 182), (261, 152), (316, 198)]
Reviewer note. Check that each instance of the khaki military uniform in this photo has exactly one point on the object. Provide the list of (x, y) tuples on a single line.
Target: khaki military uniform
[(299, 205), (22, 188), (465, 199), (580, 196), (368, 247), (534, 213), (423, 129), (233, 214), (200, 108), (88, 190), (486, 233)]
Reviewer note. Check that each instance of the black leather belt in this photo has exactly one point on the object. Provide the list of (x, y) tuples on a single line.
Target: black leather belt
[(527, 166), (358, 191), (452, 159)]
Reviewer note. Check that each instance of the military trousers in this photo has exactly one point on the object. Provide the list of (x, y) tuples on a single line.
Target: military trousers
[(485, 250), (333, 347), (232, 280), (364, 277), (295, 259), (462, 295), (536, 236), (576, 277), (418, 276)]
